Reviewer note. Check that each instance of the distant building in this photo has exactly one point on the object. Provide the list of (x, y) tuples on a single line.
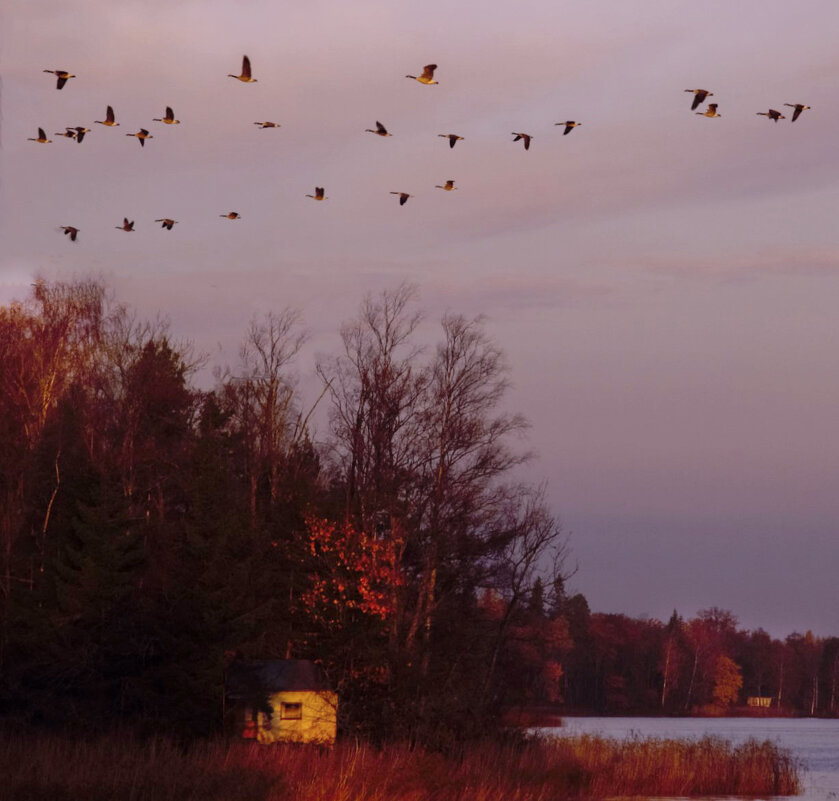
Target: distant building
[(762, 701), (281, 700)]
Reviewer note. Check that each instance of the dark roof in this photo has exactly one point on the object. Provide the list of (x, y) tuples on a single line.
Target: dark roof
[(254, 676)]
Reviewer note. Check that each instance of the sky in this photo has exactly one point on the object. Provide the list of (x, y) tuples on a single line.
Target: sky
[(664, 285)]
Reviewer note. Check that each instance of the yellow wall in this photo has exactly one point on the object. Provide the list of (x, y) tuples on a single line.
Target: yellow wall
[(318, 723)]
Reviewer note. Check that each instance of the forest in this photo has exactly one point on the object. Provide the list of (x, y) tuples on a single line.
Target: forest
[(152, 531)]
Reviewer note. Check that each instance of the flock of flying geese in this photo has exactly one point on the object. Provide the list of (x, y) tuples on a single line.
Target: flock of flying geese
[(78, 132)]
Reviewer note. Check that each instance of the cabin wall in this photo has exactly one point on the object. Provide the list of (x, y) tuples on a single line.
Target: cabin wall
[(313, 721)]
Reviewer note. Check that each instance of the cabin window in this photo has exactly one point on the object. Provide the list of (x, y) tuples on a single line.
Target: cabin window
[(291, 711)]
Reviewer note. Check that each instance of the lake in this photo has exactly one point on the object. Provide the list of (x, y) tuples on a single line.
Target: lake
[(814, 741)]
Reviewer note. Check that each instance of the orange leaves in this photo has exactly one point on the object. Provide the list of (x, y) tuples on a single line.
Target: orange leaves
[(354, 571)]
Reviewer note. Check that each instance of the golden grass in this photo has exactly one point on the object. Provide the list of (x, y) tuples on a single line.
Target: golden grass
[(46, 768)]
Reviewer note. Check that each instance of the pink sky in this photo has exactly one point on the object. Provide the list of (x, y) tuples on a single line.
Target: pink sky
[(665, 285)]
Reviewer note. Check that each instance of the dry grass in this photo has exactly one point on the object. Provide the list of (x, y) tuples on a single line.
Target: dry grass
[(42, 768)]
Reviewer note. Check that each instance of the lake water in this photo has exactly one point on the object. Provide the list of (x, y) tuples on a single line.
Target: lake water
[(814, 741)]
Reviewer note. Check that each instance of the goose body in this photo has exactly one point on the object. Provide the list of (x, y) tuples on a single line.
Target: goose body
[(109, 118), (772, 114), (403, 197), (245, 77), (126, 226), (449, 186), (62, 75), (267, 124), (167, 223), (710, 112), (427, 76), (169, 118), (318, 194), (523, 136), (380, 130), (797, 109), (232, 215), (70, 133), (71, 231), (80, 132), (142, 135), (570, 125), (699, 96), (42, 137), (453, 138)]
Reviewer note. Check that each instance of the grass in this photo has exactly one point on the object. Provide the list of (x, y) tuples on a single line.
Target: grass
[(48, 768)]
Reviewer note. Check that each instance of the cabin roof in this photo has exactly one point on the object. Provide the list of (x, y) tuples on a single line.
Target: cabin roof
[(247, 677)]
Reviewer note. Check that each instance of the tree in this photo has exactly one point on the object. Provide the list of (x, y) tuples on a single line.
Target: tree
[(727, 681)]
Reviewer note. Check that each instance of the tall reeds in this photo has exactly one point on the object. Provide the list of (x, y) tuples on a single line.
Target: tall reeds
[(47, 768)]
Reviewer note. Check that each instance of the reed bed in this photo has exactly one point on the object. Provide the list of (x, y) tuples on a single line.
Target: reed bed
[(47, 768)]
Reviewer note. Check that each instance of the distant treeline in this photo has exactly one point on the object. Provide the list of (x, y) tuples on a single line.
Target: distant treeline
[(151, 531)]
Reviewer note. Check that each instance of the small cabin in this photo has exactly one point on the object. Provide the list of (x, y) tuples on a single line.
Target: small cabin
[(281, 701), (760, 701)]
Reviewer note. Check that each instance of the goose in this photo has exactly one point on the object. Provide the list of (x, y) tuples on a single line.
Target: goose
[(772, 115), (169, 119), (380, 130), (71, 230), (80, 132), (245, 77), (318, 194), (167, 223), (70, 133), (710, 112), (142, 135), (232, 215), (403, 197), (109, 118), (268, 124), (699, 96), (448, 187), (525, 137), (62, 75), (570, 125), (427, 76), (42, 138), (799, 107), (453, 138), (126, 226)]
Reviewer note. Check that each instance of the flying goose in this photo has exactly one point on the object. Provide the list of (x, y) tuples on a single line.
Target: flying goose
[(232, 215), (167, 223), (126, 226), (80, 132), (318, 194), (245, 77), (525, 137), (403, 197), (453, 138), (799, 107), (70, 133), (169, 119), (771, 114), (448, 187), (427, 76), (380, 130), (71, 230), (109, 118), (699, 96), (710, 112), (62, 75), (142, 135), (570, 125), (42, 138), (268, 124)]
